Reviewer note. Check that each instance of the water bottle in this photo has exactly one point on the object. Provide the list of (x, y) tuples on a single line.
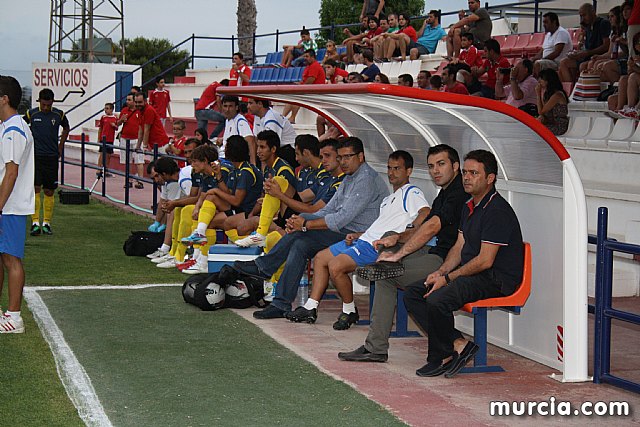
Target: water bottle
[(303, 290), (614, 50)]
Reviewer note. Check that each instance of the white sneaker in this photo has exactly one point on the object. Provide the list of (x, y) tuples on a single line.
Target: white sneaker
[(252, 240), (156, 254), (163, 258), (170, 263), (202, 266), (9, 325)]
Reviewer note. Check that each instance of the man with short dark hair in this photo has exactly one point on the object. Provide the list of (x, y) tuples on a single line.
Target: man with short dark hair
[(450, 83), (355, 77), (414, 248), (428, 36), (371, 71), (493, 62), (521, 89), (16, 198), (236, 124), (423, 79), (240, 73), (45, 122), (485, 262), (557, 43), (266, 118), (477, 23), (150, 131), (405, 80), (352, 209), (334, 73)]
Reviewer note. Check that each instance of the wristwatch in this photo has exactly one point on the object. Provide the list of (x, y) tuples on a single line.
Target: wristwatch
[(304, 226), (447, 279)]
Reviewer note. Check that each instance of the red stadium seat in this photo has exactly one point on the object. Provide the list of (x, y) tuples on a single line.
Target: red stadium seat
[(509, 43), (518, 49), (535, 44), (500, 39), (575, 35), (440, 68)]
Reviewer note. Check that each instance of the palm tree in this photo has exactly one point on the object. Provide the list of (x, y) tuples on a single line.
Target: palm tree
[(247, 26)]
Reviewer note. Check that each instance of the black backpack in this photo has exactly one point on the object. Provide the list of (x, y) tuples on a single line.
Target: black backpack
[(142, 243), (225, 289)]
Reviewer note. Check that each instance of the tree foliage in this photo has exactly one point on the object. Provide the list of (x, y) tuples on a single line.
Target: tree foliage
[(337, 12), (140, 50)]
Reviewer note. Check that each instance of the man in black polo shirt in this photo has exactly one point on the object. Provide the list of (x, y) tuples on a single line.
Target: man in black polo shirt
[(45, 121), (418, 260), (485, 262)]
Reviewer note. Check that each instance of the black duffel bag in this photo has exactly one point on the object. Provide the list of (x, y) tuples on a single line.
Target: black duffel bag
[(142, 243)]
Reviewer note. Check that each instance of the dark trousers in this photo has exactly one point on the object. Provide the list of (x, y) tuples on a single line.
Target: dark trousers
[(294, 249), (435, 313)]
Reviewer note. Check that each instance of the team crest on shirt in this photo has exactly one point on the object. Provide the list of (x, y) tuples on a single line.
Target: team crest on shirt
[(53, 122)]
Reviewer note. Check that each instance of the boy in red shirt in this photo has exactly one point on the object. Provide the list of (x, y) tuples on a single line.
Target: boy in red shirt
[(176, 145), (160, 100), (107, 130), (469, 53), (130, 121)]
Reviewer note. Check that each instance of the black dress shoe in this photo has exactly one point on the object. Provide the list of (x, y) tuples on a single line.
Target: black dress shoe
[(467, 354), (249, 268), (271, 312), (361, 354), (345, 320), (433, 369), (302, 315)]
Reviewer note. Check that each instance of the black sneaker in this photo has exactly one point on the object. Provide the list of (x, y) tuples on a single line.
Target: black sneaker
[(361, 354), (345, 320), (36, 230), (271, 312), (380, 271), (46, 229), (301, 314)]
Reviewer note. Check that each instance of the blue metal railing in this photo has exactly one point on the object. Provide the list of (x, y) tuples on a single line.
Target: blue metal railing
[(604, 312)]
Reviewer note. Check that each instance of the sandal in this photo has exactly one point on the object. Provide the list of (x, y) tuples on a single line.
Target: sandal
[(139, 185), (128, 185)]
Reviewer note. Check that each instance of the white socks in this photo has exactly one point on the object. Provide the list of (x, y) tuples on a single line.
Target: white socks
[(349, 307), (165, 247), (311, 304)]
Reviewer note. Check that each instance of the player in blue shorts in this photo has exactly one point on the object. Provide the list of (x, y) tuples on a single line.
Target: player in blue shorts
[(407, 205), (17, 197)]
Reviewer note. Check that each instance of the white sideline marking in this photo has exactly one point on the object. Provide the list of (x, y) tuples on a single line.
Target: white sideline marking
[(72, 374)]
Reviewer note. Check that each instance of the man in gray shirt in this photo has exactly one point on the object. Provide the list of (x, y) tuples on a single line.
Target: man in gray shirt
[(353, 208), (477, 23)]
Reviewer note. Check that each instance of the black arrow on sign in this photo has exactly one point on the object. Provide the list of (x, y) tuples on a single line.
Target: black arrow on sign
[(81, 92)]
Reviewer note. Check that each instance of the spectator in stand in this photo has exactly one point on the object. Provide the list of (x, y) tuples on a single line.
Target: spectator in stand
[(334, 73), (477, 23), (207, 108), (160, 100), (405, 80), (436, 83), (423, 79), (494, 61), (130, 121), (557, 43), (387, 25), (354, 77), (552, 102), (150, 131), (372, 8), (107, 131), (294, 55), (266, 118), (450, 83), (235, 124), (613, 63), (597, 32), (634, 28), (313, 74), (428, 35), (625, 103), (356, 43), (240, 73), (469, 54), (201, 135), (331, 53), (176, 144), (382, 78), (371, 71), (400, 43), (521, 90), (135, 89)]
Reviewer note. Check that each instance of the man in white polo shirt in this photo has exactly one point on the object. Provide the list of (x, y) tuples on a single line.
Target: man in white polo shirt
[(268, 119), (17, 197), (236, 124), (557, 43)]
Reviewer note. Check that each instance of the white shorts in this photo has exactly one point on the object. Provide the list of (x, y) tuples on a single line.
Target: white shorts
[(136, 158)]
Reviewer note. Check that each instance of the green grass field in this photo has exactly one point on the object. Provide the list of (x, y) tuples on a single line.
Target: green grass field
[(176, 366)]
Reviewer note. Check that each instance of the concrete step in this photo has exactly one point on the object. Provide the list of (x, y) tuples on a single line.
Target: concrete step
[(208, 76), (183, 91)]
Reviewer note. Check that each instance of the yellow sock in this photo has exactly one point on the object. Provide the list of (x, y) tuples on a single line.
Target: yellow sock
[(207, 212), (175, 243), (273, 238), (270, 207), (211, 240), (232, 235), (35, 218), (48, 209), (184, 230)]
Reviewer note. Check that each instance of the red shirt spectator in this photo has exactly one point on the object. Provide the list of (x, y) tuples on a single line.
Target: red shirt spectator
[(131, 123), (208, 97), (159, 100), (492, 67), (457, 88), (339, 72), (316, 71), (471, 57), (108, 128), (157, 135), (234, 76), (411, 32), (372, 33)]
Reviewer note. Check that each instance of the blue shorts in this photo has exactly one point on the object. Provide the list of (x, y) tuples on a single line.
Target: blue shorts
[(13, 233), (362, 252)]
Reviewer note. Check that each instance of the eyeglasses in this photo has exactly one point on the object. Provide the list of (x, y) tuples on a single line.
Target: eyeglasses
[(346, 156)]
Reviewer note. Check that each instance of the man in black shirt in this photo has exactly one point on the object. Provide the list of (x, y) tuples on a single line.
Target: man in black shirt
[(418, 260), (485, 262)]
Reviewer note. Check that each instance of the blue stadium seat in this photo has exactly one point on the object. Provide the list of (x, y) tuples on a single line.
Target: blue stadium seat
[(278, 58), (256, 76), (278, 76), (297, 75), (268, 75), (288, 75), (341, 50), (320, 54)]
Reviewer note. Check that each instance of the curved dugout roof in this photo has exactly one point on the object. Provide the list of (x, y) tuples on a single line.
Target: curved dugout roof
[(389, 117)]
